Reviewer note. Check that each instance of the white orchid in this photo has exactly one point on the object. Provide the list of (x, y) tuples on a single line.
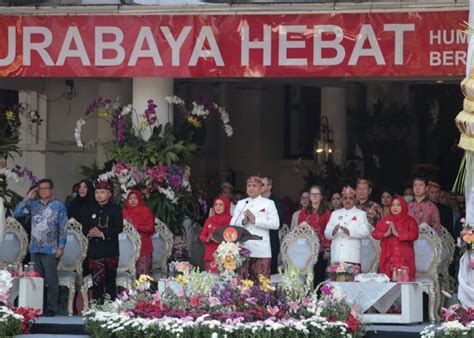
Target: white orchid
[(78, 131)]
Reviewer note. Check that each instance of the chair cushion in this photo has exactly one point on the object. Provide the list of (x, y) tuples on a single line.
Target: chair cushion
[(424, 255), (159, 248), (10, 248), (126, 248), (368, 254), (299, 252), (72, 250)]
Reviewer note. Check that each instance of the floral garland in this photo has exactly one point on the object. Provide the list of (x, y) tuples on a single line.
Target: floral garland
[(458, 322)]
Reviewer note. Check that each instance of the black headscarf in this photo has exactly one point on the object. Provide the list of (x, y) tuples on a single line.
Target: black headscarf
[(81, 206)]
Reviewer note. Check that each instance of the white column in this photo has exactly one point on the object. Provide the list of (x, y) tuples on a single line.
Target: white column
[(156, 89), (334, 106)]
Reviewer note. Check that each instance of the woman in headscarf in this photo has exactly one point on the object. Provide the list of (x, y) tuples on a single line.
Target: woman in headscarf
[(82, 204), (142, 218), (220, 217), (397, 233)]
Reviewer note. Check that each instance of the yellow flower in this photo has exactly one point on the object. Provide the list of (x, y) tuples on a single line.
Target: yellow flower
[(143, 279), (265, 285), (229, 262), (469, 238), (10, 115), (246, 283), (181, 280), (143, 123), (104, 113), (194, 122)]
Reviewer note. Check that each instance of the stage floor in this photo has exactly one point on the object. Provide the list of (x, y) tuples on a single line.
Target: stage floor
[(65, 326)]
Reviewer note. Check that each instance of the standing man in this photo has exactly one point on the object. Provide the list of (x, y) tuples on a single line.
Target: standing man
[(258, 215), (421, 208), (48, 236), (373, 210), (346, 228), (445, 212), (266, 192), (102, 229)]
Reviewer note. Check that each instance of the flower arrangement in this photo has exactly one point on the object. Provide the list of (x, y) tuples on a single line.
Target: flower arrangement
[(457, 322), (150, 156), (13, 321), (209, 307), (467, 238), (229, 257), (342, 271)]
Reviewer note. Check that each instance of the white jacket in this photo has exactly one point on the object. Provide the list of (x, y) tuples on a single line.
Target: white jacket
[(346, 248), (266, 218)]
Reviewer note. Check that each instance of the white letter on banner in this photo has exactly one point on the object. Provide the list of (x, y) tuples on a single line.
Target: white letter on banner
[(8, 60), (39, 47), (284, 45), (175, 44), (101, 45), (320, 44), (214, 52), (399, 29), (265, 45), (66, 51), (366, 32), (145, 34)]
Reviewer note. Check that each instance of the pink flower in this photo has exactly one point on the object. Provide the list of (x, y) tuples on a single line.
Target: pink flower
[(252, 300), (462, 220), (294, 306), (214, 301), (326, 289), (181, 294), (234, 282), (156, 298), (471, 263), (195, 301), (272, 310)]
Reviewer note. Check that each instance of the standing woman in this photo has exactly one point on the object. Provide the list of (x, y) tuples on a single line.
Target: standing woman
[(336, 201), (83, 203), (220, 218), (304, 203), (317, 214), (397, 233), (385, 201), (142, 218)]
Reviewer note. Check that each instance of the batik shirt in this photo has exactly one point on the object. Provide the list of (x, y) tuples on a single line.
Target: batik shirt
[(48, 224), (373, 210), (425, 211)]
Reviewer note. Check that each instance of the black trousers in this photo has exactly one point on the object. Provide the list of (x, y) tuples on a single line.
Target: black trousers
[(320, 270), (275, 246)]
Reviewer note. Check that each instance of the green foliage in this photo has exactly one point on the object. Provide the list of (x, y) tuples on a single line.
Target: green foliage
[(162, 148), (9, 138)]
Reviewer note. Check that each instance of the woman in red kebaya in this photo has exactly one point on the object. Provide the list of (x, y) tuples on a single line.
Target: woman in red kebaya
[(142, 218), (317, 214), (397, 232), (220, 217)]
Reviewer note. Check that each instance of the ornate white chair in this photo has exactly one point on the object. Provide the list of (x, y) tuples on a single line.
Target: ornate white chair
[(300, 250), (369, 254), (284, 231), (447, 282), (162, 247), (15, 243), (70, 265), (129, 248), (428, 248)]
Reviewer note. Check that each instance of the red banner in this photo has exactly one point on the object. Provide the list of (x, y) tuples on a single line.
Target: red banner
[(306, 45)]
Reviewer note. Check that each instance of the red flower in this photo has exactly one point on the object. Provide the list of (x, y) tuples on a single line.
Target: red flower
[(353, 323), (195, 301), (354, 218), (263, 210)]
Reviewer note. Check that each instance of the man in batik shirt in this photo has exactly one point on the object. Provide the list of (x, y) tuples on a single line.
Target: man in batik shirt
[(372, 209), (421, 208)]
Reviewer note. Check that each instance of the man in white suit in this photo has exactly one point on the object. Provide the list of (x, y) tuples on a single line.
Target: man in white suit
[(258, 215), (346, 228)]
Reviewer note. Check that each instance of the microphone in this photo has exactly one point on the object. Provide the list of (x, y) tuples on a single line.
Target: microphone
[(241, 211)]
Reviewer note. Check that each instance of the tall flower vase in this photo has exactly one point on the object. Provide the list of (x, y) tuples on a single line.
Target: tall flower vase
[(466, 280)]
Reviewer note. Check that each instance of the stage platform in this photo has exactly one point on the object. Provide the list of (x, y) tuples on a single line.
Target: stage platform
[(65, 326)]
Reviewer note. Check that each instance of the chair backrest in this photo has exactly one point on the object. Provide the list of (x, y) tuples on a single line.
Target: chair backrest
[(75, 250), (15, 242), (369, 253), (428, 249), (300, 248), (162, 246), (129, 246), (447, 253), (284, 230)]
